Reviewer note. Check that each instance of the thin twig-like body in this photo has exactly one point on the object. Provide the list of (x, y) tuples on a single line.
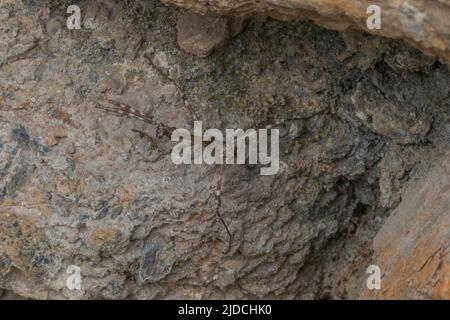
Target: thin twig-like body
[(162, 129), (122, 109)]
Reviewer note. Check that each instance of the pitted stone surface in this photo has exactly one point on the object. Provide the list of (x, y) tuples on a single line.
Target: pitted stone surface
[(79, 187)]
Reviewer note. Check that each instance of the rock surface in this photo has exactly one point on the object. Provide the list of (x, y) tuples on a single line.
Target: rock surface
[(202, 34), (362, 115), (412, 247), (423, 23)]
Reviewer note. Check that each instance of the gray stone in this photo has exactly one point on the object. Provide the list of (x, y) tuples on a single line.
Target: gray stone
[(201, 34), (80, 187)]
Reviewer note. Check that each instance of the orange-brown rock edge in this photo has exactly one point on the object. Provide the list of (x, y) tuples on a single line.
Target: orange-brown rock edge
[(412, 247), (423, 23)]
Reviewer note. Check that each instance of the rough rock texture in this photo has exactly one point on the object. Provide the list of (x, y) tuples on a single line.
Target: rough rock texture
[(79, 187), (202, 34), (424, 23), (413, 244)]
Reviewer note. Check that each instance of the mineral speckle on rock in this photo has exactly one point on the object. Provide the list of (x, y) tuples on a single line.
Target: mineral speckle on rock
[(362, 119)]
